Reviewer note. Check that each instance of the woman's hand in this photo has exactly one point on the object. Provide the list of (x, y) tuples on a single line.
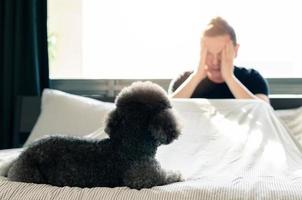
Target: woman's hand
[(202, 68), (227, 61)]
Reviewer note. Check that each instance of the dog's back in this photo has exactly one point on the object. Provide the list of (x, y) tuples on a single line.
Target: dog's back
[(68, 161)]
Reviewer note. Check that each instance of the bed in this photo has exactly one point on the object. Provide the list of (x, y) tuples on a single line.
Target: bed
[(229, 149)]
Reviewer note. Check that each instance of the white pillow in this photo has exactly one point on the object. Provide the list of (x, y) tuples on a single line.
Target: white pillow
[(68, 114), (292, 119)]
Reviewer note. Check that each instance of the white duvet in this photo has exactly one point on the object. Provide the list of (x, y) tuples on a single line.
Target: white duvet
[(229, 149), (231, 138)]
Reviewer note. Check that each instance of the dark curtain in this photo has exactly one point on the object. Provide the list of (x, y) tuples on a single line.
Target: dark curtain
[(23, 57)]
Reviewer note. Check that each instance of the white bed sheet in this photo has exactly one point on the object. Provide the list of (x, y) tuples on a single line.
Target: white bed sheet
[(7, 156), (231, 138)]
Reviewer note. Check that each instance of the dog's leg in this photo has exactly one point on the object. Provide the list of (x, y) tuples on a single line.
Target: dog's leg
[(25, 170), (172, 177), (148, 173)]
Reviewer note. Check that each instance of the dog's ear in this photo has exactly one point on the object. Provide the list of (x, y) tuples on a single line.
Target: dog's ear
[(114, 124), (164, 127)]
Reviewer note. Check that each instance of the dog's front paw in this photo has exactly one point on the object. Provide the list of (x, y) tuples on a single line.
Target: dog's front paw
[(173, 177)]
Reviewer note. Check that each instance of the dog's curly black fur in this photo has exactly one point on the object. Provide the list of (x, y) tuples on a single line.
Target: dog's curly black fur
[(142, 120)]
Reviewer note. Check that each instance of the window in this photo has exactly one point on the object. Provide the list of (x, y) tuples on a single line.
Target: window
[(158, 39)]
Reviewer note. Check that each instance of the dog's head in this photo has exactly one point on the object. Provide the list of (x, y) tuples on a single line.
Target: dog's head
[(143, 112)]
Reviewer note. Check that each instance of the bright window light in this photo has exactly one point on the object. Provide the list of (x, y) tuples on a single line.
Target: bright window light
[(118, 39)]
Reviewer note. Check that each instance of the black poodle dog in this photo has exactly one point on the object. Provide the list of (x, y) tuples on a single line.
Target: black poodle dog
[(142, 120)]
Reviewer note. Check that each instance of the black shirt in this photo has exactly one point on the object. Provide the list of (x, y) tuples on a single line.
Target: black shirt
[(250, 78)]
